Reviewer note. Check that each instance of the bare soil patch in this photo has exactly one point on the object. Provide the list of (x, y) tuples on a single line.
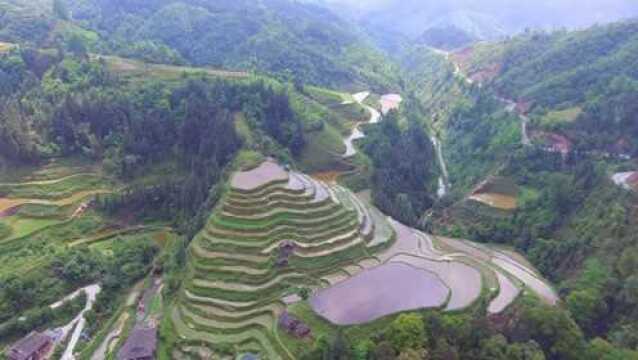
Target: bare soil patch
[(390, 102)]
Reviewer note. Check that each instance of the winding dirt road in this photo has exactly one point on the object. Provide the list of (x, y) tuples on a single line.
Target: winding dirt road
[(79, 322), (357, 134)]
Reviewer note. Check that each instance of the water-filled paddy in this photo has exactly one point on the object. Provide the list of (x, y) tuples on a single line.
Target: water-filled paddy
[(381, 291), (508, 292), (265, 173)]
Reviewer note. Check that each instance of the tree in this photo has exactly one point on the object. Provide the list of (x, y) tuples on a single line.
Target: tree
[(600, 349), (384, 351), (444, 351), (362, 349), (77, 46), (587, 302), (628, 262), (411, 354), (552, 328), (407, 332), (498, 348), (61, 10)]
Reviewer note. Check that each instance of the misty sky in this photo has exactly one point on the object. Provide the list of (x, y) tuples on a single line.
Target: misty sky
[(512, 14)]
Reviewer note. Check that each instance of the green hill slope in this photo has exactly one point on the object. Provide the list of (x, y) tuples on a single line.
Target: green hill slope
[(553, 113), (281, 37)]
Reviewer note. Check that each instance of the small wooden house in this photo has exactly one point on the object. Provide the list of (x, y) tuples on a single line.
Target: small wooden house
[(35, 346), (294, 326), (140, 345)]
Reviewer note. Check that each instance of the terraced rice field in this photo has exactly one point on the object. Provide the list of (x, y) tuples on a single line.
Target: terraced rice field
[(499, 201), (376, 293), (467, 270), (497, 192), (276, 231), (46, 210), (46, 197), (239, 274), (5, 47), (136, 69)]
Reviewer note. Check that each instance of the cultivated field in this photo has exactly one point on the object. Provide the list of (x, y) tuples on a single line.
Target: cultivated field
[(497, 192), (278, 232), (271, 236), (51, 207), (5, 47), (134, 69)]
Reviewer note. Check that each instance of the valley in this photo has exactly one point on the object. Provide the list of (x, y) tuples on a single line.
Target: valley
[(310, 180)]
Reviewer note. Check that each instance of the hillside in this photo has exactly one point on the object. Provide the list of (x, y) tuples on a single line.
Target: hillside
[(284, 38), (282, 243), (545, 119), (570, 85), (147, 168)]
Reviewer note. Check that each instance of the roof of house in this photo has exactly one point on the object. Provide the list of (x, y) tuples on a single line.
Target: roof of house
[(302, 330), (28, 345), (288, 321), (293, 325), (140, 344)]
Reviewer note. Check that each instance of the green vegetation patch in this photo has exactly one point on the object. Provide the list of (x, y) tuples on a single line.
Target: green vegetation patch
[(41, 211), (555, 119), (5, 230), (65, 188), (26, 226), (323, 150)]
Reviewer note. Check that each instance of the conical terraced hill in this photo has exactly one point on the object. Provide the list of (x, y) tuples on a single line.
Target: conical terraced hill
[(277, 231), (274, 232)]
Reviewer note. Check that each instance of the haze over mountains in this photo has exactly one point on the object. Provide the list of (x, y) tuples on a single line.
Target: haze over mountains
[(481, 19)]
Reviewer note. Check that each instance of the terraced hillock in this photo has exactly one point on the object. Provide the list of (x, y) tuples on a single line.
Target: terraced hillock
[(275, 231), (279, 231)]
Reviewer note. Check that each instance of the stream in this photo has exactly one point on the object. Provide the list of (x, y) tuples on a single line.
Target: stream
[(444, 179)]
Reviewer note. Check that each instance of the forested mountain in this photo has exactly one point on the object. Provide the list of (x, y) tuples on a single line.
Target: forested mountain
[(552, 113), (581, 84), (284, 38)]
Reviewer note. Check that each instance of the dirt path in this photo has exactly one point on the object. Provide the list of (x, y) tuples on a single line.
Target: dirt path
[(50, 181), (510, 106), (104, 348), (357, 134), (6, 204), (78, 322), (625, 180)]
